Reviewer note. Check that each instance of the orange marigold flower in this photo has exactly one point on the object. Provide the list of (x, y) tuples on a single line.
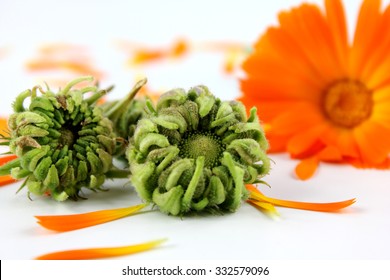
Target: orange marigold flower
[(324, 98)]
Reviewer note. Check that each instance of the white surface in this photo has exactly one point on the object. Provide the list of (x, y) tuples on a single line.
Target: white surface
[(360, 232)]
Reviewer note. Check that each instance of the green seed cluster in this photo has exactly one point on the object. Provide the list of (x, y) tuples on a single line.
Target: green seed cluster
[(205, 144), (193, 152), (62, 140)]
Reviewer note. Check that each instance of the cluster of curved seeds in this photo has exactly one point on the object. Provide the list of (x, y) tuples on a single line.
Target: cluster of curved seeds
[(63, 142), (194, 152)]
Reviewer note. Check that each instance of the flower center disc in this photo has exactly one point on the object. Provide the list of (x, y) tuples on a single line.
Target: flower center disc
[(347, 103), (199, 144), (67, 137)]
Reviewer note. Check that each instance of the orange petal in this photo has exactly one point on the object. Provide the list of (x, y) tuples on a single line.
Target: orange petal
[(277, 143), (366, 26), (255, 194), (343, 140), (306, 168), (293, 121), (307, 143), (3, 125), (79, 67), (77, 221), (378, 48), (180, 47), (268, 208), (372, 139), (313, 39), (336, 20), (330, 154), (96, 253), (145, 56), (5, 180), (7, 158)]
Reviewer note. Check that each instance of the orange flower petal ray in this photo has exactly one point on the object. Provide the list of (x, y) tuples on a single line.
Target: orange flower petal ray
[(365, 29), (381, 95), (298, 22), (379, 47), (293, 121), (337, 24), (265, 71), (381, 114), (7, 179), (268, 208), (343, 139), (277, 143), (3, 124), (255, 194), (307, 143), (306, 168), (96, 253), (268, 110), (77, 67), (330, 154), (78, 221), (373, 141), (7, 158)]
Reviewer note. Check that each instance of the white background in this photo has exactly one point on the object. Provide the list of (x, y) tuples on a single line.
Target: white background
[(360, 232)]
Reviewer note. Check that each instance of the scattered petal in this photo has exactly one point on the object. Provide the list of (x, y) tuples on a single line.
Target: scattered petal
[(268, 208), (78, 221), (7, 158), (255, 194), (5, 180), (96, 253)]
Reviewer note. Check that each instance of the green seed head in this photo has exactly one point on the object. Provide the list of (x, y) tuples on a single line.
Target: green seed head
[(63, 142), (196, 144), (193, 152)]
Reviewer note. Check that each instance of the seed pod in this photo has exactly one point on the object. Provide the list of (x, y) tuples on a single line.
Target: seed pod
[(62, 140), (194, 152)]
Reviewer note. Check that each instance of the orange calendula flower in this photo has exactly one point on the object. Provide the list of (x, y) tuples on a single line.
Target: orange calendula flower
[(97, 253), (324, 98), (78, 221)]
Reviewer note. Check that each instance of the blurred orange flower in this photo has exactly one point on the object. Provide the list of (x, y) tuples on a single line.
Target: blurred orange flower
[(322, 97)]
